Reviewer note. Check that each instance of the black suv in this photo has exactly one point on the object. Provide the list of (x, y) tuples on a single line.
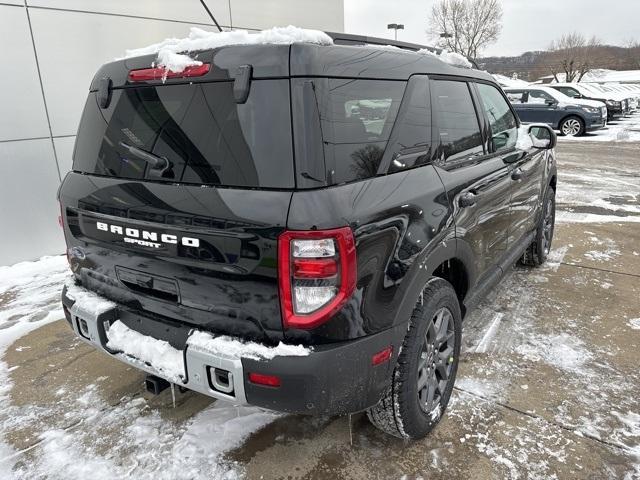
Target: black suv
[(300, 227)]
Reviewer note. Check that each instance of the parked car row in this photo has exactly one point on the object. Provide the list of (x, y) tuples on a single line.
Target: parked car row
[(574, 108)]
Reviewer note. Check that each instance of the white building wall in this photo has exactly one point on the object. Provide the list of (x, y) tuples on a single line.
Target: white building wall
[(49, 52)]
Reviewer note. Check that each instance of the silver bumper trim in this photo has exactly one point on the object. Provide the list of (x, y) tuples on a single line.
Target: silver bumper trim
[(198, 363)]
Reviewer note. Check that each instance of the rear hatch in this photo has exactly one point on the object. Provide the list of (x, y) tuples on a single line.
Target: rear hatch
[(180, 189)]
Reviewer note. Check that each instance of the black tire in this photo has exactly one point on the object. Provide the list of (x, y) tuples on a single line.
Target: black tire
[(572, 126), (536, 254), (400, 413)]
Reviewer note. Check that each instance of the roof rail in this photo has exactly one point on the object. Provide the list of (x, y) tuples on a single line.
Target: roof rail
[(350, 39)]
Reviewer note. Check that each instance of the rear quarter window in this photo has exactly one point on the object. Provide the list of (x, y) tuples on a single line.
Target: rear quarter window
[(356, 118)]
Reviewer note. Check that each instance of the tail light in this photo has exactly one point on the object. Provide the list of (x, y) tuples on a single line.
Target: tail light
[(317, 275), (161, 73)]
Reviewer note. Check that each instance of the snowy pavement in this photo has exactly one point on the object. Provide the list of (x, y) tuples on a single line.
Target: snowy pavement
[(548, 385)]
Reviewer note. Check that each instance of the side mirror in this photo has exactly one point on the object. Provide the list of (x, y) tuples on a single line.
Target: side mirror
[(542, 136), (550, 102)]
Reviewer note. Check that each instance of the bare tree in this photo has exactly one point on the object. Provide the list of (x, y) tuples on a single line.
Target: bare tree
[(466, 26), (633, 47), (574, 55)]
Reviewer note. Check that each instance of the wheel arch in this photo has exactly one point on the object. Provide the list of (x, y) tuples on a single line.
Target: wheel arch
[(572, 114), (454, 271)]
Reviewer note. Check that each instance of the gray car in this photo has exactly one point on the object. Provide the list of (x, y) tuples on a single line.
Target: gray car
[(573, 117)]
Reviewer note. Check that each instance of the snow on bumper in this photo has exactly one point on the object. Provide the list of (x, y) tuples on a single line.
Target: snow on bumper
[(197, 367)]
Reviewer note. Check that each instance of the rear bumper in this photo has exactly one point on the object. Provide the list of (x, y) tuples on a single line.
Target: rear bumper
[(332, 379)]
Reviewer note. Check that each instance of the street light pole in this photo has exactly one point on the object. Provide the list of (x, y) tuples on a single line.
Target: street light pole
[(395, 27)]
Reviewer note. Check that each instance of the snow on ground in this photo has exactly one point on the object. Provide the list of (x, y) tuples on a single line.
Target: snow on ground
[(30, 298), (147, 446), (591, 193), (499, 360), (625, 129)]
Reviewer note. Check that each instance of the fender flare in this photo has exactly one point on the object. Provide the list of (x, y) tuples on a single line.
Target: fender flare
[(423, 269)]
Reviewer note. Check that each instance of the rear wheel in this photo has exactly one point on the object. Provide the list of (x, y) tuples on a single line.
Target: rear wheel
[(536, 254), (423, 378), (572, 127)]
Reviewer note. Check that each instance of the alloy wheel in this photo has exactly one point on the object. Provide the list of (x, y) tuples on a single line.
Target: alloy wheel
[(436, 360), (571, 127)]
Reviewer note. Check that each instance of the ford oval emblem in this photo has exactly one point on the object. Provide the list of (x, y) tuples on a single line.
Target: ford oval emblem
[(78, 253)]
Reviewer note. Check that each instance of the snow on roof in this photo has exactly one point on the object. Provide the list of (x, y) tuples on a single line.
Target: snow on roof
[(171, 51), (452, 58), (623, 76), (505, 81)]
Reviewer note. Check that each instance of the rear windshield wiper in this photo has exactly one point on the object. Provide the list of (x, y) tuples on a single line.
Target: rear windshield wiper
[(157, 162)]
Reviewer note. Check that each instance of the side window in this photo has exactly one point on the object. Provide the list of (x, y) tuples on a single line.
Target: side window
[(538, 97), (458, 129), (356, 117), (516, 97), (410, 142), (504, 127), (569, 92)]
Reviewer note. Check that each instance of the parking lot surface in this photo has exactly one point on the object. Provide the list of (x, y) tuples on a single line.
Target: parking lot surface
[(548, 387)]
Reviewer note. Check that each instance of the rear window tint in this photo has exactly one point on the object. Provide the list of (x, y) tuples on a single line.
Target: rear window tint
[(206, 137), (356, 119)]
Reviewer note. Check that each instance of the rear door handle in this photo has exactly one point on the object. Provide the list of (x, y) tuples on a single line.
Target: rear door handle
[(517, 174), (467, 199)]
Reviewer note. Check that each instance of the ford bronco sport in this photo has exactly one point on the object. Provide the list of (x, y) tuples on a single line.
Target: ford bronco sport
[(300, 227)]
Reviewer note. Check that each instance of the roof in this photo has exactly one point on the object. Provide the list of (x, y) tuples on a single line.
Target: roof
[(300, 60), (369, 61), (312, 53)]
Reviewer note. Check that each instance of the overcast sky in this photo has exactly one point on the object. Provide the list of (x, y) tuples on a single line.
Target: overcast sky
[(527, 24)]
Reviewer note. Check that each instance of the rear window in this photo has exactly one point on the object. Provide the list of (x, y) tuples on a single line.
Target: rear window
[(356, 118), (197, 133)]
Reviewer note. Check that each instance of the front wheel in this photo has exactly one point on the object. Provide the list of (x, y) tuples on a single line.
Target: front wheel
[(423, 378), (536, 254), (572, 127)]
